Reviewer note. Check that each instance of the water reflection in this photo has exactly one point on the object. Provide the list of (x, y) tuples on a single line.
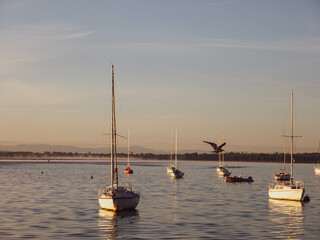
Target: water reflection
[(117, 223), (289, 218)]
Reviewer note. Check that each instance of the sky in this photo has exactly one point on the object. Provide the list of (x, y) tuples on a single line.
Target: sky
[(216, 70)]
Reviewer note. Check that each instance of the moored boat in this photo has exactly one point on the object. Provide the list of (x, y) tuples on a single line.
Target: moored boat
[(239, 179), (114, 197), (128, 170), (283, 175), (291, 190), (176, 173)]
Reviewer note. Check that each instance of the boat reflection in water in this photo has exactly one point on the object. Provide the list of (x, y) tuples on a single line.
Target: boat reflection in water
[(112, 223), (289, 218)]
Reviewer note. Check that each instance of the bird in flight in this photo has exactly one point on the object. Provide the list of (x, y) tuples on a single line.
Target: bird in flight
[(216, 148)]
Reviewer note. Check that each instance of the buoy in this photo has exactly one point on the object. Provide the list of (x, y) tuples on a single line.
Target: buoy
[(306, 199), (91, 177), (41, 172)]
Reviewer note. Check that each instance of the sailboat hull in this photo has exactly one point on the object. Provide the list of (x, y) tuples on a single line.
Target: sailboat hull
[(119, 201), (287, 193), (170, 169)]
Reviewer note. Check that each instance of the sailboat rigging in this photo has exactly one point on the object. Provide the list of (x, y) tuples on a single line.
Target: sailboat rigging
[(128, 170), (317, 167), (171, 168), (175, 170), (291, 190), (114, 197), (283, 175)]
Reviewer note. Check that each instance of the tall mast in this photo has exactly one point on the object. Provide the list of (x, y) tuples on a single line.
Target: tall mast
[(128, 148), (114, 138), (219, 154), (111, 135), (284, 148), (176, 150), (171, 142), (223, 151), (291, 135)]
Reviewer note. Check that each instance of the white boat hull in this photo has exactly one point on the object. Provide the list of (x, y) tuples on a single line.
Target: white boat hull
[(317, 170), (170, 169), (119, 204), (283, 192), (118, 201)]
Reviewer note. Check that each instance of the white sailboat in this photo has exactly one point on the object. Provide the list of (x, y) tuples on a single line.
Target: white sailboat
[(171, 168), (175, 171), (317, 167), (128, 170), (114, 197), (292, 190), (283, 175), (223, 170)]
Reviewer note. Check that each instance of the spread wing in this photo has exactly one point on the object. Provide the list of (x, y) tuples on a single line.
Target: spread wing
[(222, 145), (212, 144)]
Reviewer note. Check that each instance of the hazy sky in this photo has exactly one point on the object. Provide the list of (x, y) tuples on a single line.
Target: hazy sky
[(210, 68)]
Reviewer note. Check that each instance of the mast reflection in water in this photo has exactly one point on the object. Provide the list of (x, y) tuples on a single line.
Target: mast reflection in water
[(110, 223), (289, 218)]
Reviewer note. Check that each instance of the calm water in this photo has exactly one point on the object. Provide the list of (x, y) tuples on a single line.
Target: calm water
[(62, 203)]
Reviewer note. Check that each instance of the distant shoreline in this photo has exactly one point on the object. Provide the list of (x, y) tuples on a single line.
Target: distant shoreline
[(122, 157), (120, 161)]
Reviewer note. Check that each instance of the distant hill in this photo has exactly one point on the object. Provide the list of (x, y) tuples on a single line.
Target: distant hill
[(65, 148)]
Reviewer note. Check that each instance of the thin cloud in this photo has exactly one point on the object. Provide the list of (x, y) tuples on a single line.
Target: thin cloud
[(23, 93), (299, 45), (47, 31)]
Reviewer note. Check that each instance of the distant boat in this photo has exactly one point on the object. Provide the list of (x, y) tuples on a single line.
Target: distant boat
[(114, 197), (221, 169), (317, 167), (171, 168), (283, 175), (175, 171), (291, 190), (128, 170), (239, 178)]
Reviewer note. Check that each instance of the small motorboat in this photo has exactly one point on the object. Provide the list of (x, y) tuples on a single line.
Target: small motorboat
[(128, 170), (239, 179)]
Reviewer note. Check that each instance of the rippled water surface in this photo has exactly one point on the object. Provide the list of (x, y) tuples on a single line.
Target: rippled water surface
[(61, 203)]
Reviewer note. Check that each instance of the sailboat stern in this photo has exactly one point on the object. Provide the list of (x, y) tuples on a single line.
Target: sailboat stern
[(291, 191), (119, 200)]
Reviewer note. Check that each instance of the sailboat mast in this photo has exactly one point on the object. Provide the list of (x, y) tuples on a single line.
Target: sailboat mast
[(223, 152), (284, 148), (114, 135), (171, 142), (291, 135), (111, 135), (128, 148), (176, 150)]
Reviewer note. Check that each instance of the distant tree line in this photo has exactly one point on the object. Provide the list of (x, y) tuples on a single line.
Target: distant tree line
[(234, 156), (229, 156)]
